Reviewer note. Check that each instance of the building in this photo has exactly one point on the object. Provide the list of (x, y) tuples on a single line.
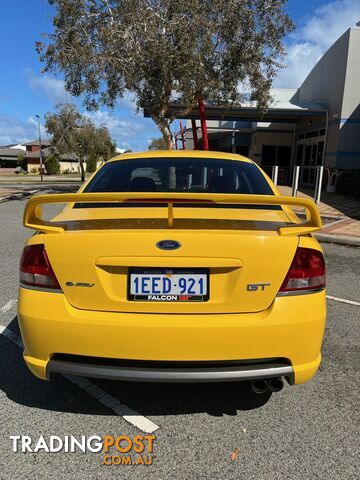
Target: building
[(32, 156), (316, 124), (10, 156), (33, 146), (69, 163)]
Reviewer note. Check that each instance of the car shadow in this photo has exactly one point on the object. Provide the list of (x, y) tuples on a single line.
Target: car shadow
[(216, 399), (20, 386)]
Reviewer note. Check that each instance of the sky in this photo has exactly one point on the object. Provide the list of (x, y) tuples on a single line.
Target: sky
[(25, 92)]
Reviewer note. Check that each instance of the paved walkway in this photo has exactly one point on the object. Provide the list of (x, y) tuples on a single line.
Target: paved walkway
[(332, 204), (344, 210)]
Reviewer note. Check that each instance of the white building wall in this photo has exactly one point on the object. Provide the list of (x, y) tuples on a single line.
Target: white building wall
[(348, 151), (259, 139)]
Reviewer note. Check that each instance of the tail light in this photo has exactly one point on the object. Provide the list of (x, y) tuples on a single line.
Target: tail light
[(35, 268), (306, 273)]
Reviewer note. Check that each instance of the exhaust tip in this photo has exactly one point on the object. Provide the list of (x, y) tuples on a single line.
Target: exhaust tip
[(259, 386), (276, 385)]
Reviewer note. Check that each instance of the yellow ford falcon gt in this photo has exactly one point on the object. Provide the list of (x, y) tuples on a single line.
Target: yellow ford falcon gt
[(174, 266)]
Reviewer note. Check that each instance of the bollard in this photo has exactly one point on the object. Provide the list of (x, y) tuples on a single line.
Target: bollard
[(318, 184), (189, 181), (295, 182), (275, 172), (204, 179)]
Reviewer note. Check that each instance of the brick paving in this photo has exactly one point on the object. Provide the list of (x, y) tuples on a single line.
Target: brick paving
[(332, 204), (348, 228), (338, 206)]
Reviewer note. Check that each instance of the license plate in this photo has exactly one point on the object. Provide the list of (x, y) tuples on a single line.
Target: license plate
[(168, 284)]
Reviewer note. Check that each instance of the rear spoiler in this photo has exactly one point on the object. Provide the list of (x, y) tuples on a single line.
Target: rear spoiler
[(33, 211)]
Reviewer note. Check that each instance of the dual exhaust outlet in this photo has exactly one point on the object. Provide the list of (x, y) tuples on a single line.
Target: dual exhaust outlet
[(272, 384)]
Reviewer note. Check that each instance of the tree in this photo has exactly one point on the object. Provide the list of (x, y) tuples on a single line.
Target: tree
[(200, 49), (91, 163), (52, 163), (157, 144), (22, 162), (73, 133)]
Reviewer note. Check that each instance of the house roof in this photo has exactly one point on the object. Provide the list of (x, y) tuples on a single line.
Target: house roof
[(44, 142), (48, 151), (10, 145), (11, 153)]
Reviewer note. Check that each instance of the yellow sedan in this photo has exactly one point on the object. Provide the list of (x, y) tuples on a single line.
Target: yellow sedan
[(178, 266)]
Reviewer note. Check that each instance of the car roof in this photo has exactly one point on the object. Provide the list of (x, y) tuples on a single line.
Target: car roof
[(181, 154)]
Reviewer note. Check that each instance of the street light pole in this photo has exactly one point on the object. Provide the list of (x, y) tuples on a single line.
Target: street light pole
[(40, 151)]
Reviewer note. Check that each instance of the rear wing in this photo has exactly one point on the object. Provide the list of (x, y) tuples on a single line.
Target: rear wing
[(33, 210)]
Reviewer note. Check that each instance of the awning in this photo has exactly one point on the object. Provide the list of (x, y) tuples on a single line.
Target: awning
[(286, 108), (245, 114)]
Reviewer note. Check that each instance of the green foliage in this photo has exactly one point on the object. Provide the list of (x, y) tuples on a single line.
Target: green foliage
[(349, 184), (157, 144), (52, 164), (75, 134), (198, 48), (22, 162), (91, 163)]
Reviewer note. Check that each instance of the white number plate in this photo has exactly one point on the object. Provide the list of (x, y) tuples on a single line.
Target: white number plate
[(168, 285)]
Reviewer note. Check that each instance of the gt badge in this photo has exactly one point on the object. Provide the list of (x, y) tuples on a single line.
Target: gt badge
[(254, 287)]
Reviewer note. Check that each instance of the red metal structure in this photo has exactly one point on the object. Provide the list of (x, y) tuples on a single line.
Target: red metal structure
[(205, 140)]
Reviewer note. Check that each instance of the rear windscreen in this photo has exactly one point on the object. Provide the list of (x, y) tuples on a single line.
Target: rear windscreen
[(180, 175)]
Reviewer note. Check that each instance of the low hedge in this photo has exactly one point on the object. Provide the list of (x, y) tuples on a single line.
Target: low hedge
[(349, 184)]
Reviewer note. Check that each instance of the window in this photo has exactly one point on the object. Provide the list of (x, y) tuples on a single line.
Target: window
[(276, 155), (268, 158), (283, 156), (314, 133), (176, 174), (299, 154)]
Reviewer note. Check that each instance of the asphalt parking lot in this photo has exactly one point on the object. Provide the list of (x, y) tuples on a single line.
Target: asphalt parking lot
[(219, 431)]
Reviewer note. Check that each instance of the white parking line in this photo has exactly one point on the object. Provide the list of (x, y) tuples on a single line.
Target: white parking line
[(128, 414), (7, 306), (11, 335), (343, 300)]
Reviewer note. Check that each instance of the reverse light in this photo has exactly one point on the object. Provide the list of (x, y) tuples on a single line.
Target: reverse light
[(306, 273), (36, 270)]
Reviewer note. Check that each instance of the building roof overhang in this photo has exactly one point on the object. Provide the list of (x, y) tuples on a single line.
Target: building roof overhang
[(249, 114)]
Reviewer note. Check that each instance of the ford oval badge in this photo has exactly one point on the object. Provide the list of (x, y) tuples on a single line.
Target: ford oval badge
[(168, 245)]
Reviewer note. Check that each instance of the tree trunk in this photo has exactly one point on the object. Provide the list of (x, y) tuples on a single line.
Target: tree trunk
[(167, 136), (194, 131), (164, 128), (82, 170)]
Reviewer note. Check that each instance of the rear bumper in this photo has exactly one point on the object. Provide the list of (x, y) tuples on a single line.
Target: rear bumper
[(291, 330), (179, 374)]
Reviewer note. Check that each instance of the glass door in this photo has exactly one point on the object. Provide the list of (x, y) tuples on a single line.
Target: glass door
[(310, 162)]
